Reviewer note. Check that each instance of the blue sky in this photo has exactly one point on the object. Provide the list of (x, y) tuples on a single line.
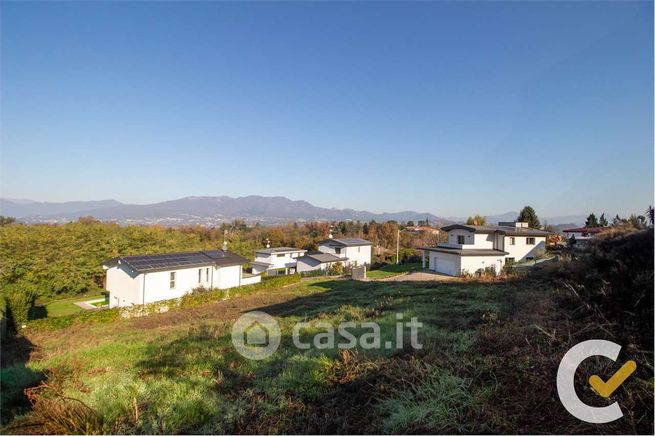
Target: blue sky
[(444, 107)]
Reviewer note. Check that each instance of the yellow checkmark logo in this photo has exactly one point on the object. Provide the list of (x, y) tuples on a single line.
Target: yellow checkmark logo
[(605, 389)]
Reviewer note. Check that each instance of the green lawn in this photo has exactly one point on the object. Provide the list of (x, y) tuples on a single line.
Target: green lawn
[(392, 270), (481, 368), (188, 378), (67, 306)]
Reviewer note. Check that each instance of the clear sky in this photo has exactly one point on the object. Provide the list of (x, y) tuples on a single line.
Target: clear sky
[(444, 107)]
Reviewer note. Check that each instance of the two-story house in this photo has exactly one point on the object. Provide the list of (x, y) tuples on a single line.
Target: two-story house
[(353, 251), (347, 251), (471, 248), (275, 261)]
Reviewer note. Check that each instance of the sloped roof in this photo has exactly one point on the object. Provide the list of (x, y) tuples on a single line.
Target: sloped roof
[(504, 230), (467, 251), (347, 242), (279, 250), (589, 230), (322, 257), (174, 261)]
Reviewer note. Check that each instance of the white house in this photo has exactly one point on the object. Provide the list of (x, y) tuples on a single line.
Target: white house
[(276, 260), (351, 251), (318, 261), (470, 248), (145, 279)]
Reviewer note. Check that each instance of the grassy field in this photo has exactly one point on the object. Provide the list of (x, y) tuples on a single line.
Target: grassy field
[(392, 270), (481, 368), (67, 306)]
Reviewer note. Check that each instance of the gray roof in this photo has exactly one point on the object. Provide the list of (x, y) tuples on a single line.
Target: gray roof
[(174, 261), (504, 230), (347, 242), (278, 250), (322, 257), (466, 252)]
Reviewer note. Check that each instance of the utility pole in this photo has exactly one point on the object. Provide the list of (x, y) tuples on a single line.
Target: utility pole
[(398, 247)]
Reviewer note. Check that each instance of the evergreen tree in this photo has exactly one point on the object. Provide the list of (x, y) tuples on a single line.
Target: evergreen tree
[(592, 221), (602, 221), (529, 216)]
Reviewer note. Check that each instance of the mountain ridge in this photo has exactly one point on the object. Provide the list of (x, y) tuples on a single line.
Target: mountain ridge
[(199, 210)]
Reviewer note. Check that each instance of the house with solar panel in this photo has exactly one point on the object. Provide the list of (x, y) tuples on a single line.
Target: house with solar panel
[(347, 251), (133, 280)]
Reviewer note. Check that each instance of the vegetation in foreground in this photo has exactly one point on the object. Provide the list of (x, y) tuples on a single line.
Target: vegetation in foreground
[(488, 363), (392, 270)]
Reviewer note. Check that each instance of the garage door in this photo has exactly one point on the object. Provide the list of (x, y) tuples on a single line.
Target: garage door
[(445, 266)]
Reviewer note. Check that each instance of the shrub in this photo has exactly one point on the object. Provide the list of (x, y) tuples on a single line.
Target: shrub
[(336, 268), (19, 304)]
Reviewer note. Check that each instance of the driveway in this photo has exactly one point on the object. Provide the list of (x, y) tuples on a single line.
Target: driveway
[(420, 276)]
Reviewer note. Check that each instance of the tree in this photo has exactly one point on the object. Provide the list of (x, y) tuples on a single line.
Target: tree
[(529, 216), (476, 220), (591, 221), (602, 221), (637, 221), (410, 224), (650, 213), (6, 220), (617, 221)]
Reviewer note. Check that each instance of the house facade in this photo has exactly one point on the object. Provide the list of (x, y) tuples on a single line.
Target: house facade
[(133, 280), (471, 248), (351, 251), (274, 261), (317, 260)]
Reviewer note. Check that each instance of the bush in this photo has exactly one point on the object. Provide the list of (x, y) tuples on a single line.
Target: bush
[(336, 269), (19, 304), (612, 280)]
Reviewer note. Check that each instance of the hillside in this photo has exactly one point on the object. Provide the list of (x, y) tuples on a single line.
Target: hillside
[(200, 210)]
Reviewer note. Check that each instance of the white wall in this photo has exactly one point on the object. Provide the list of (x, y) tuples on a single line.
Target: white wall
[(520, 250), (358, 255), (278, 260), (438, 260), (227, 277), (473, 263), (471, 240), (310, 265), (124, 290)]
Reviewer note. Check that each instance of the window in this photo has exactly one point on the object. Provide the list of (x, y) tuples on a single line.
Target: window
[(359, 249), (461, 239), (172, 281), (280, 255), (529, 241), (337, 250), (512, 241), (199, 276), (207, 275)]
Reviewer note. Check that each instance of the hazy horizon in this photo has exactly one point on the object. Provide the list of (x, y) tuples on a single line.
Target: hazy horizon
[(440, 107)]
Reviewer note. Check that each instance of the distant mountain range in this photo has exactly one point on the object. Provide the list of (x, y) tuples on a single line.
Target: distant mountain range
[(198, 210), (216, 210)]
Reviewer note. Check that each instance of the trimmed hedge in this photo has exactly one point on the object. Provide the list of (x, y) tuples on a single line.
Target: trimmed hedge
[(193, 299)]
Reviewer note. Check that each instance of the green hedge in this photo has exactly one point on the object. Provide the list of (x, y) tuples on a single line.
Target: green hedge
[(198, 298)]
